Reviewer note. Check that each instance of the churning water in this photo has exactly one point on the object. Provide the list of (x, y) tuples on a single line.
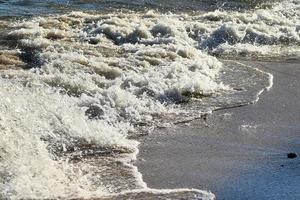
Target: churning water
[(78, 86)]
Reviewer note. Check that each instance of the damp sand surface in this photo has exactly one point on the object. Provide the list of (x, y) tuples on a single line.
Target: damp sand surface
[(80, 85), (237, 153)]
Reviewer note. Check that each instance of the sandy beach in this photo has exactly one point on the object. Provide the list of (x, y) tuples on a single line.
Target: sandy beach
[(237, 153), (147, 99)]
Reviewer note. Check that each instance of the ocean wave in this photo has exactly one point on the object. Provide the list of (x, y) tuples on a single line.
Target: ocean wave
[(76, 87), (36, 7), (84, 89), (261, 32)]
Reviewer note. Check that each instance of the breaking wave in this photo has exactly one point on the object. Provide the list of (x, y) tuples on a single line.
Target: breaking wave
[(76, 89)]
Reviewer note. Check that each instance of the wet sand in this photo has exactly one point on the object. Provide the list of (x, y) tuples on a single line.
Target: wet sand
[(238, 153)]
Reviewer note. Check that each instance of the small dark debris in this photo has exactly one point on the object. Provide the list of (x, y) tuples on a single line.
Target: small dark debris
[(291, 155), (94, 112), (204, 117), (94, 41), (238, 89)]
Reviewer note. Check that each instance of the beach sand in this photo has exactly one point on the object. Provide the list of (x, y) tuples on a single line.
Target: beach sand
[(237, 153)]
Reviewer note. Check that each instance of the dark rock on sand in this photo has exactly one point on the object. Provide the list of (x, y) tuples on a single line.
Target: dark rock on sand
[(292, 155)]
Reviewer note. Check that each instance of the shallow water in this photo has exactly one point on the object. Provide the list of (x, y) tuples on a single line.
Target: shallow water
[(78, 87), (35, 7)]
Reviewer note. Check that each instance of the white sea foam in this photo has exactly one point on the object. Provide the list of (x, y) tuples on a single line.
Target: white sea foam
[(95, 79), (29, 116), (262, 32)]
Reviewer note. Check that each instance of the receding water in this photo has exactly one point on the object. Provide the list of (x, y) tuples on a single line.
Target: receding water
[(81, 79)]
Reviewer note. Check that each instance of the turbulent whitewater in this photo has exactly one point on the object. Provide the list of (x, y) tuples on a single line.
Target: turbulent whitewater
[(78, 88)]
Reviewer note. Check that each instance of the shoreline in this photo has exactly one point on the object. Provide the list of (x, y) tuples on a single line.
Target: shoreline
[(235, 150), (83, 82)]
